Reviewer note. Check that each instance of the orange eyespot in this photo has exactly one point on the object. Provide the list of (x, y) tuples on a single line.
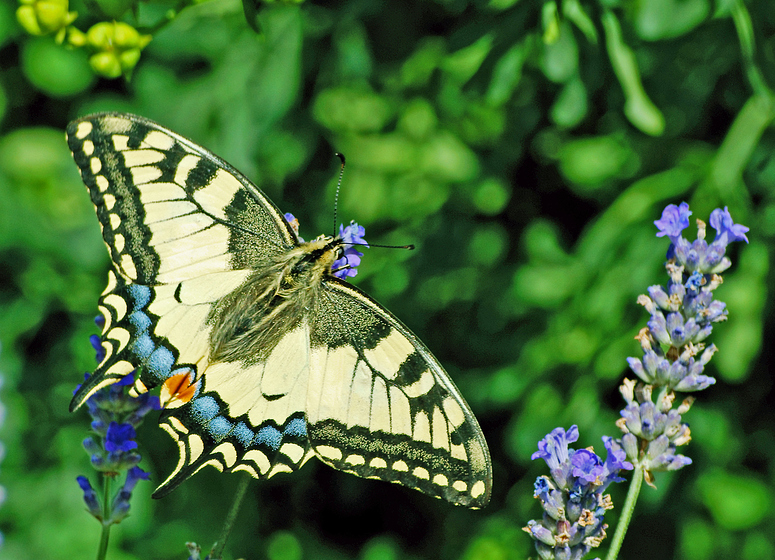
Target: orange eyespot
[(178, 389)]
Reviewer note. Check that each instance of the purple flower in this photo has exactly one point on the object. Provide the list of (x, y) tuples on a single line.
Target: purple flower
[(699, 255), (96, 343), (615, 461), (347, 264), (554, 447), (572, 499), (120, 437), (115, 415), (725, 228), (353, 234), (121, 503), (90, 497), (695, 282), (674, 220), (294, 222), (661, 456), (587, 466)]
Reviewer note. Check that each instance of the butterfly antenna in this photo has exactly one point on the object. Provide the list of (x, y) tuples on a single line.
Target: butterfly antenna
[(338, 186), (336, 206), (409, 247)]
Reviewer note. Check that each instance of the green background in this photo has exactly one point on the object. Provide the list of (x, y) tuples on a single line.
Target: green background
[(524, 148)]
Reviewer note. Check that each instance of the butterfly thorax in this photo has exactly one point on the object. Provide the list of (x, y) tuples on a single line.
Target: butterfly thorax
[(276, 298)]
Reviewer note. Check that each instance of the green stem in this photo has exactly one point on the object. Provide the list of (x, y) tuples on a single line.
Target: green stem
[(739, 144), (629, 507), (744, 27), (220, 544), (102, 551)]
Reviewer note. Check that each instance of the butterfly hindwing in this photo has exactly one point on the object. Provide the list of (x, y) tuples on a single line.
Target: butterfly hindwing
[(381, 406), (264, 359), (246, 416)]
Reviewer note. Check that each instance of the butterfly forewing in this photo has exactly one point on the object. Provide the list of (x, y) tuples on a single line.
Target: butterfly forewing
[(263, 357), (381, 406), (181, 227)]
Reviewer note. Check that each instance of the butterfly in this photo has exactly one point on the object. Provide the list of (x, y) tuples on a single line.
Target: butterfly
[(264, 357)]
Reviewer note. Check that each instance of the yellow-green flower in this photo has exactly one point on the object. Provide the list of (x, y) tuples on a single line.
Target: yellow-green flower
[(43, 17), (117, 47)]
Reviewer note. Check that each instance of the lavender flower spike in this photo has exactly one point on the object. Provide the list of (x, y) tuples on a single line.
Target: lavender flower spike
[(572, 498), (682, 316), (112, 446)]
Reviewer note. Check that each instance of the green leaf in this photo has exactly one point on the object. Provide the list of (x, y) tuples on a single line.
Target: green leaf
[(417, 69), (574, 12), (658, 20), (592, 161), (570, 107), (638, 108), (560, 59), (464, 63), (283, 545), (351, 109), (488, 245), (550, 20), (490, 196), (507, 74)]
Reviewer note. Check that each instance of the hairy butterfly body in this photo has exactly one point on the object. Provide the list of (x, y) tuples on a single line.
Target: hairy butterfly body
[(264, 357)]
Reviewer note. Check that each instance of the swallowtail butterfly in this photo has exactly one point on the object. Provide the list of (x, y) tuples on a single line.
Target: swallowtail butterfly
[(265, 358)]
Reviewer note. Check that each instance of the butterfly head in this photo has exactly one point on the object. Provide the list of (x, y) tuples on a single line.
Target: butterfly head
[(337, 254)]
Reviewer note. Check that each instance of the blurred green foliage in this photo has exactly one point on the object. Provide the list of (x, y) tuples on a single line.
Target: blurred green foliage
[(524, 147)]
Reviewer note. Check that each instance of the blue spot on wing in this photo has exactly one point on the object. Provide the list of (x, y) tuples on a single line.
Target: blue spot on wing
[(140, 294), (219, 427), (160, 362), (204, 408), (296, 427), (143, 346), (243, 434), (269, 436), (140, 321)]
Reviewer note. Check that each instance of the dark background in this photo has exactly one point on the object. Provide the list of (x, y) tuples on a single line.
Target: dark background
[(526, 153)]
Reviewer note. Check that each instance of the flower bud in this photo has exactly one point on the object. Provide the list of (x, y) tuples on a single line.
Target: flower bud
[(43, 17), (117, 47)]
